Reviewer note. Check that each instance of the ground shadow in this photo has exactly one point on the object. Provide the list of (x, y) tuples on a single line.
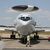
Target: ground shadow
[(32, 41)]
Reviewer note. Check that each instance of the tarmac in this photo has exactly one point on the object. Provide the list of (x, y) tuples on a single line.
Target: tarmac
[(17, 45), (10, 44)]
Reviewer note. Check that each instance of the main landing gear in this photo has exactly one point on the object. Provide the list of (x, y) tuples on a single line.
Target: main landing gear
[(36, 36), (12, 36)]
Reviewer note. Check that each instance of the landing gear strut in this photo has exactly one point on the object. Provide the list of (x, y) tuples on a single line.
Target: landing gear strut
[(12, 36)]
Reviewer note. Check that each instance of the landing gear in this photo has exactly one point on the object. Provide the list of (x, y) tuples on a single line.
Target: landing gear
[(36, 36), (12, 36), (0, 38), (24, 39)]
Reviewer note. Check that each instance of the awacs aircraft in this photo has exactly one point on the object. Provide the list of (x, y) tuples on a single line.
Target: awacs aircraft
[(24, 23)]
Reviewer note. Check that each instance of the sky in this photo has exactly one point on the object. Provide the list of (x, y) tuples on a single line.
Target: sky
[(42, 17)]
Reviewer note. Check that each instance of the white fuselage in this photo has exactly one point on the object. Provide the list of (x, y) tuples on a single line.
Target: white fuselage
[(25, 24)]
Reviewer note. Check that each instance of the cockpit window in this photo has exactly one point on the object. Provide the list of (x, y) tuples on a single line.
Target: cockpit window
[(25, 18), (22, 18), (28, 18)]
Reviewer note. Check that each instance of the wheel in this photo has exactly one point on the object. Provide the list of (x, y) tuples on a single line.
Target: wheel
[(12, 36), (36, 37), (0, 37), (24, 40)]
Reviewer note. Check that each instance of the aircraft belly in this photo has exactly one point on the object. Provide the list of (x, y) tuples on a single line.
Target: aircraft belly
[(24, 30)]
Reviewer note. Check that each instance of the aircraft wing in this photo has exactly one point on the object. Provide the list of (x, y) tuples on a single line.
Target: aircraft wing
[(42, 29), (7, 28), (11, 29)]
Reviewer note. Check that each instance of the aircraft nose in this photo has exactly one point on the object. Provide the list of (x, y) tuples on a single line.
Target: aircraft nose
[(25, 23)]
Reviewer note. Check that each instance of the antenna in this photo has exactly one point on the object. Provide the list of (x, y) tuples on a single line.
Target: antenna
[(25, 8)]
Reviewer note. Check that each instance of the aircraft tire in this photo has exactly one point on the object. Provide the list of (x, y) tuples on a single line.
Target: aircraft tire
[(0, 37), (24, 40), (36, 37), (12, 36)]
